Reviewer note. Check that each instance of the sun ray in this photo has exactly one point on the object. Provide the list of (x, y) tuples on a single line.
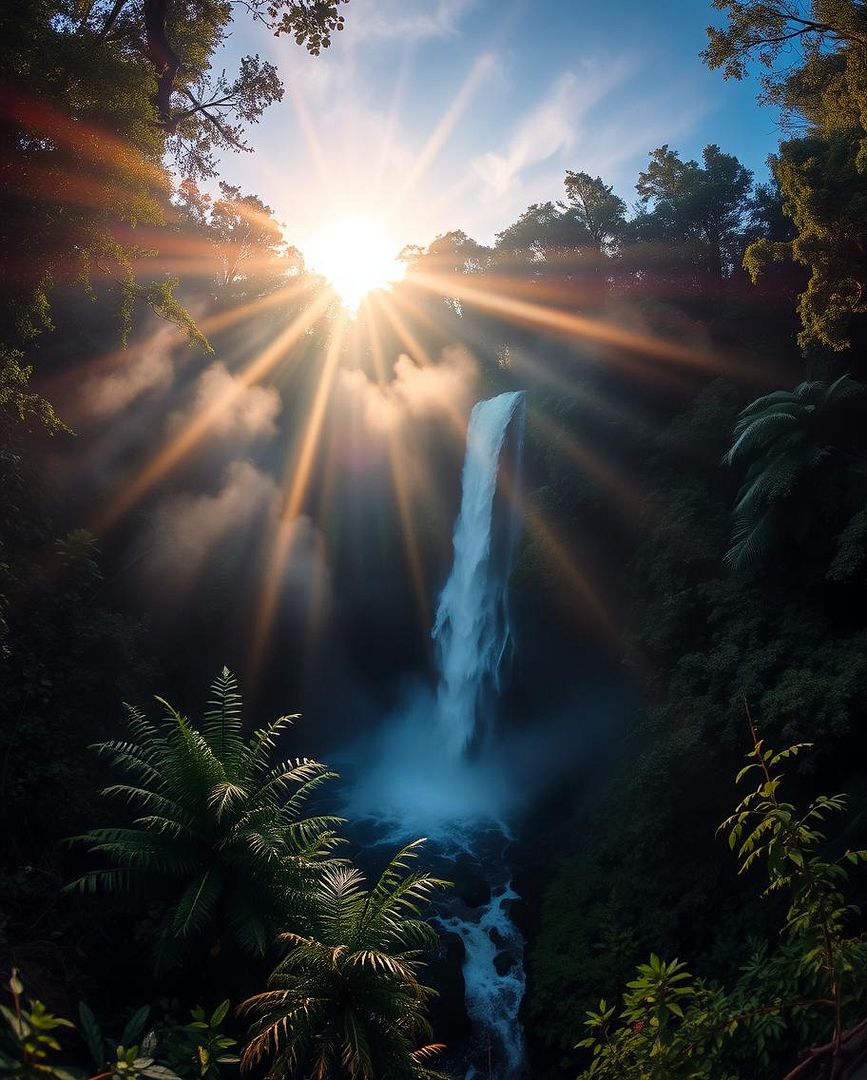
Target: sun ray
[(400, 84), (397, 466), (627, 494), (571, 324), (483, 65), (311, 137), (57, 382), (416, 351), (301, 469), (202, 424), (573, 578)]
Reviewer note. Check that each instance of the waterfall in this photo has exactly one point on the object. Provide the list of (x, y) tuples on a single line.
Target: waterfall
[(494, 983), (473, 638), (471, 629), (418, 778)]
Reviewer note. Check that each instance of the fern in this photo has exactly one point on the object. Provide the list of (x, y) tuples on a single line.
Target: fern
[(792, 441), (348, 989), (219, 835)]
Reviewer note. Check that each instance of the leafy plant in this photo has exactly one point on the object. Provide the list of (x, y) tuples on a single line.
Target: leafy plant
[(193, 1051), (798, 444), (673, 1026), (347, 1000), (218, 835), (199, 1048), (32, 1030), (99, 1046), (34, 1044)]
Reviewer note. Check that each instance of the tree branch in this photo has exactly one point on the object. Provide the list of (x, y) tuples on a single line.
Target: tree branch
[(202, 108), (111, 18), (852, 1045), (162, 56), (810, 26)]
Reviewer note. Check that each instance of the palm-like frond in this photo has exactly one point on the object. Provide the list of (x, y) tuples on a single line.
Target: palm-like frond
[(221, 725), (219, 833), (348, 989), (790, 439)]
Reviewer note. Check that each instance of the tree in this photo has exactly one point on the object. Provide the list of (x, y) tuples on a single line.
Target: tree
[(346, 1001), (825, 195), (451, 253), (597, 209), (700, 210), (98, 97), (758, 30), (242, 236), (197, 110), (822, 173), (799, 444), (544, 234), (81, 166), (218, 839)]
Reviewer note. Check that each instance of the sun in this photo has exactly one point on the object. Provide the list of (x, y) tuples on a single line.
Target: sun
[(356, 255)]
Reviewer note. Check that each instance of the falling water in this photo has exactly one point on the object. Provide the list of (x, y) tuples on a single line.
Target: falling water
[(420, 775), (473, 637), (471, 628)]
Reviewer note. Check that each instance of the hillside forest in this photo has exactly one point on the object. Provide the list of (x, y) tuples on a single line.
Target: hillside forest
[(227, 504)]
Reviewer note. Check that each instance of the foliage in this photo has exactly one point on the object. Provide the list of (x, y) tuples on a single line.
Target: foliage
[(346, 1000), (803, 446), (200, 111), (194, 1051), (98, 97), (701, 209), (598, 210), (67, 653), (32, 1032), (218, 837), (201, 1044), (825, 195), (641, 876), (821, 174), (20, 402), (674, 1026), (544, 233), (242, 238), (759, 31), (311, 22)]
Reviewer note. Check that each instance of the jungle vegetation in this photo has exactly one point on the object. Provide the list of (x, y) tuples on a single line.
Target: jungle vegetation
[(722, 521)]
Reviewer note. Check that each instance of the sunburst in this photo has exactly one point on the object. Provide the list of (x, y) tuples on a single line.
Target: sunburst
[(356, 255)]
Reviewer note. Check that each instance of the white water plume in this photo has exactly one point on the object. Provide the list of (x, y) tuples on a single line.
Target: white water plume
[(417, 776), (471, 628), (494, 982)]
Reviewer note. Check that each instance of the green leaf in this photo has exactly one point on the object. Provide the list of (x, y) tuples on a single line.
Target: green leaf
[(219, 1014), (135, 1026), (92, 1034)]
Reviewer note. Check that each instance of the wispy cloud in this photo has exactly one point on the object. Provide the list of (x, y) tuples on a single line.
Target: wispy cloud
[(238, 410), (147, 368), (415, 391), (186, 529), (190, 532), (409, 20), (550, 127), (581, 123)]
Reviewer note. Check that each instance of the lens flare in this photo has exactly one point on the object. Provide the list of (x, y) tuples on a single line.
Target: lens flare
[(355, 255)]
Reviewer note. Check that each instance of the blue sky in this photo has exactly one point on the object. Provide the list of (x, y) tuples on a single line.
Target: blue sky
[(443, 114)]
